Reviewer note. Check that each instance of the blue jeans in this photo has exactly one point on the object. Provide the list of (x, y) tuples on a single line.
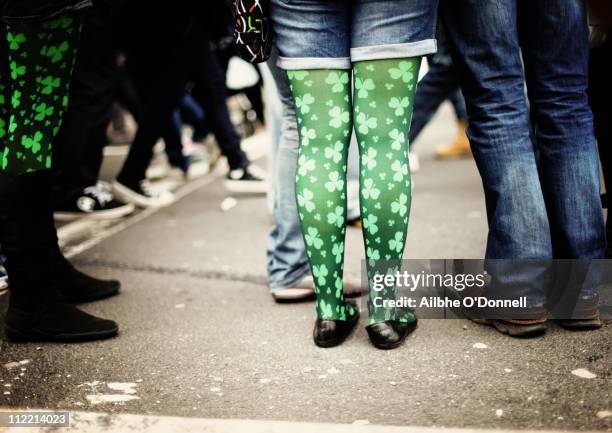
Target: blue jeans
[(541, 190), (287, 260), (330, 34), (439, 84)]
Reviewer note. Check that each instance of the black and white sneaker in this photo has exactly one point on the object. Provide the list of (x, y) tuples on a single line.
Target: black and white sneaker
[(142, 194), (251, 179), (94, 202)]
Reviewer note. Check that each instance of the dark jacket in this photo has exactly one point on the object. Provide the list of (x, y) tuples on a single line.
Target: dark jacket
[(23, 11)]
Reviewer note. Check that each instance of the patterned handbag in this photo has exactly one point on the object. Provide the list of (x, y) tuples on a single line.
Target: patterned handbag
[(252, 33)]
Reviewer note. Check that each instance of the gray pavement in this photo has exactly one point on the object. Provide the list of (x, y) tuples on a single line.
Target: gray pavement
[(202, 338)]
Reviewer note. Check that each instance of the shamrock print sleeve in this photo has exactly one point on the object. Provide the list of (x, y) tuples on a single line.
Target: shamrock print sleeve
[(40, 61), (323, 106), (384, 91)]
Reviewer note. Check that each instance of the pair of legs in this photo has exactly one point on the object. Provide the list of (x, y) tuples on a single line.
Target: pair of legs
[(384, 91), (288, 269), (157, 62), (541, 188), (36, 63), (538, 206), (209, 63), (373, 48), (83, 135)]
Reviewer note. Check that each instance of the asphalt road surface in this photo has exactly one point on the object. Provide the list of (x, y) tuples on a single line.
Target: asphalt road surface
[(202, 338)]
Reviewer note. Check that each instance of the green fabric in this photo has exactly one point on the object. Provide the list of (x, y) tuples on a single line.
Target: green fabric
[(382, 109), (37, 62)]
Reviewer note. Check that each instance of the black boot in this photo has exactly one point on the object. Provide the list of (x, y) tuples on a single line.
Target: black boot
[(330, 333), (38, 310), (79, 287), (390, 333), (76, 286)]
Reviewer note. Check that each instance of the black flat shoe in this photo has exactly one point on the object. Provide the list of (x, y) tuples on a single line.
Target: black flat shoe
[(390, 333), (57, 322), (78, 287), (330, 333)]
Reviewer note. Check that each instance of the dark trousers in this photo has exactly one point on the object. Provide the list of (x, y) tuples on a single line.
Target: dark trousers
[(160, 100), (156, 60), (82, 137), (439, 84), (208, 72)]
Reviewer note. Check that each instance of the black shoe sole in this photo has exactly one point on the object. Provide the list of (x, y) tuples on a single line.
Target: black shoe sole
[(411, 327), (18, 336)]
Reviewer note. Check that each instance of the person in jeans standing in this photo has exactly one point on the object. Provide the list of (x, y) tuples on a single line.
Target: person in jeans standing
[(541, 188)]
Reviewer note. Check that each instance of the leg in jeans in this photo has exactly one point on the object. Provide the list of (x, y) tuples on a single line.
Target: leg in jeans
[(554, 37), (483, 35), (486, 53), (193, 114), (439, 84), (458, 103), (287, 260)]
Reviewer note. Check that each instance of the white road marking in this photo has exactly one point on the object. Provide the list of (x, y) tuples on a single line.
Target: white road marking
[(90, 422)]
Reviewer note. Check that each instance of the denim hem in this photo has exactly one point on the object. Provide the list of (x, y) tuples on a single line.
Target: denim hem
[(394, 51), (301, 63), (305, 272)]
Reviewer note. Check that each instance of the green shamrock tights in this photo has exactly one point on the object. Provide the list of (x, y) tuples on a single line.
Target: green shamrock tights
[(36, 61), (381, 113)]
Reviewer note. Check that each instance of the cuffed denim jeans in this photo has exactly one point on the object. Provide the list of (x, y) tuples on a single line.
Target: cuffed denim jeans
[(332, 34), (541, 189)]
